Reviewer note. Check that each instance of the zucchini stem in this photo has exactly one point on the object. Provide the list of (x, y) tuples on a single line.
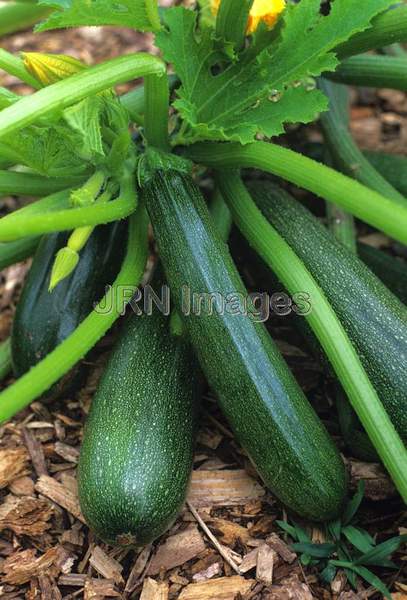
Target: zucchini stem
[(156, 108), (30, 184), (93, 327), (372, 70), (17, 16), (14, 252), (5, 358), (290, 270), (15, 66), (388, 28), (380, 212)]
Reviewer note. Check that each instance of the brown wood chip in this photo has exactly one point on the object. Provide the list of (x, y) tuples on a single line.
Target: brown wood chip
[(291, 589), (223, 588), (223, 488), (13, 464), (97, 589), (34, 447), (138, 568), (249, 561), (228, 531), (279, 546), (266, 557), (177, 550), (20, 567), (23, 486), (25, 516), (105, 565), (68, 453), (154, 590), (58, 493)]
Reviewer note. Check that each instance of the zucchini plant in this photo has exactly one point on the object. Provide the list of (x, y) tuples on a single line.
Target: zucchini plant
[(242, 72)]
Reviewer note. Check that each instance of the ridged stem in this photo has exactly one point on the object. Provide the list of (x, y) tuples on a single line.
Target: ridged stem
[(372, 70), (15, 66), (290, 270), (346, 155), (388, 28), (93, 327), (14, 252), (29, 184), (231, 21), (156, 108), (66, 92), (380, 212), (17, 16), (53, 214)]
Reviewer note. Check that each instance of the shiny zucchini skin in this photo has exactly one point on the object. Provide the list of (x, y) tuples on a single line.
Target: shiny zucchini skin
[(259, 396), (42, 319), (375, 320), (137, 450)]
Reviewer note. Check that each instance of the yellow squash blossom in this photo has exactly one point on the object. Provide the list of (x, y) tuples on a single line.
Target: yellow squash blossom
[(267, 11), (50, 68)]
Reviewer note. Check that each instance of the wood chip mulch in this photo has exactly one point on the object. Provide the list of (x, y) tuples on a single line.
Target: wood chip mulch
[(226, 544)]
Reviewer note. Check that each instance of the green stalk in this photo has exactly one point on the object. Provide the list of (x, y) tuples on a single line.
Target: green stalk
[(14, 252), (387, 28), (29, 184), (134, 101), (372, 70), (342, 226), (52, 214), (221, 215), (345, 153), (156, 107), (231, 21), (17, 16), (15, 66), (93, 327), (5, 358), (380, 212), (66, 92), (290, 270)]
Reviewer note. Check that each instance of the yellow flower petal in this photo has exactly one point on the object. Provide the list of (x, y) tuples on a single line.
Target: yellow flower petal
[(50, 68), (267, 11)]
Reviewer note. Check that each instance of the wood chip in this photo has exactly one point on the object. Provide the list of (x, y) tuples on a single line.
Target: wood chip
[(138, 568), (13, 464), (279, 546), (34, 447), (213, 570), (72, 580), (97, 589), (68, 453), (290, 588), (23, 486), (58, 493), (223, 488), (249, 561), (266, 557), (229, 532), (25, 516), (177, 550), (105, 565), (223, 588), (73, 538), (20, 567), (154, 590), (378, 486)]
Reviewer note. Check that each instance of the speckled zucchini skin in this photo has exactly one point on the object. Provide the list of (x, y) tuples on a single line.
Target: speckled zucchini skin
[(269, 414), (137, 450), (375, 320), (43, 319)]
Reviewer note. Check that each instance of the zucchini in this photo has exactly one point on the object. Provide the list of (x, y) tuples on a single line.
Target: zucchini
[(258, 394), (375, 320), (42, 319), (389, 269), (137, 450)]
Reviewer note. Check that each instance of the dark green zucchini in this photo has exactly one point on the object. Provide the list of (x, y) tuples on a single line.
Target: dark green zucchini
[(136, 455), (258, 394), (375, 320), (43, 319), (389, 269)]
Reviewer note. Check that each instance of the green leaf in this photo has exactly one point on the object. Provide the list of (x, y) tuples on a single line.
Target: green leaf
[(353, 505), (232, 101), (334, 529), (84, 119), (328, 574), (288, 529), (314, 550), (359, 538), (7, 98), (366, 575), (378, 555), (137, 14)]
